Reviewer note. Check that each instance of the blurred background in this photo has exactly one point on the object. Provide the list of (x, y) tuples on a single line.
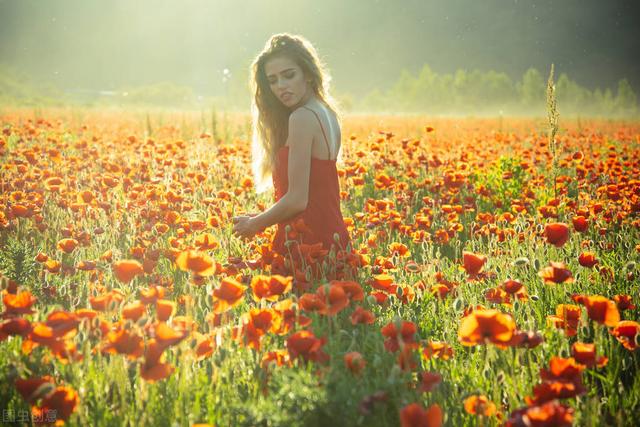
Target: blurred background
[(453, 57)]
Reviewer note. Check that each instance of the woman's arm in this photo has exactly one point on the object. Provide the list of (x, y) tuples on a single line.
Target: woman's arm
[(300, 140)]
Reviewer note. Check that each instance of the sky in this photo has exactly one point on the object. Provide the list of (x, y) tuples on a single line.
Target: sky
[(106, 45)]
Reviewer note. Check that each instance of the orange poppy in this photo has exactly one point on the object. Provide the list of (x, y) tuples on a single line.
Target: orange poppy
[(556, 273), (437, 350), (229, 294), (602, 310), (486, 325), (305, 344), (133, 311), (580, 223), (196, 262), (62, 402), (352, 289), (557, 233), (478, 404), (567, 317), (334, 297), (627, 332), (125, 270), (549, 414), (270, 288), (414, 415), (586, 354), (164, 309), (67, 245), (18, 304), (124, 342), (472, 262)]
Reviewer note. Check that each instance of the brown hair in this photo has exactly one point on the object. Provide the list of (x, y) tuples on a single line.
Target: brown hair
[(270, 118)]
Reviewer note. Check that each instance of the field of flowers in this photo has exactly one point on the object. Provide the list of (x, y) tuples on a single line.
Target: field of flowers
[(496, 276)]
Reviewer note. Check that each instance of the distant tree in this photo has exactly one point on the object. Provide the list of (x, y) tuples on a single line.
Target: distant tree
[(626, 99), (532, 89)]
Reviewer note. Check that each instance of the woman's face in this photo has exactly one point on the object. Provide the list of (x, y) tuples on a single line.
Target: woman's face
[(287, 81)]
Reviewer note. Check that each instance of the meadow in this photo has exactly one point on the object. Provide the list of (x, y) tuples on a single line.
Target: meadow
[(493, 278)]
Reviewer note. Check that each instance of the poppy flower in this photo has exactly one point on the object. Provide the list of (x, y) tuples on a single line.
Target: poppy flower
[(586, 354), (479, 405), (32, 389), (14, 326), (587, 259), (580, 223), (549, 414), (602, 310), (18, 304), (397, 334), (557, 233), (334, 297), (383, 282), (305, 344), (126, 342), (429, 381), (167, 336), (352, 289), (62, 402), (126, 270), (354, 362), (196, 262), (556, 273), (154, 369), (312, 302), (624, 302), (270, 288), (67, 245), (627, 332), (164, 309), (486, 325), (414, 415), (437, 350), (133, 311), (511, 286), (567, 317), (473, 263), (360, 315), (229, 294)]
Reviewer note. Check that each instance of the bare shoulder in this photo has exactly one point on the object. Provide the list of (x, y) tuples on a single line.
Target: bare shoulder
[(301, 118)]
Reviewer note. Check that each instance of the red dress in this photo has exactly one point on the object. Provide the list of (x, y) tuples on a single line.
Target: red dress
[(312, 231)]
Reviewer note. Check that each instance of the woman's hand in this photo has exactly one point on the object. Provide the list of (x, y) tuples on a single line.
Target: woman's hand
[(244, 226)]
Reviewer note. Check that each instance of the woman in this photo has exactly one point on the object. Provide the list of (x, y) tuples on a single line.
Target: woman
[(296, 140)]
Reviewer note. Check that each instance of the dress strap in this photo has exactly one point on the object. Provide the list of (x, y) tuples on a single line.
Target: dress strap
[(321, 128)]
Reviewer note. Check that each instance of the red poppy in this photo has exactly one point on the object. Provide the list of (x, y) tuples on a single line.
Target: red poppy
[(587, 259), (586, 354), (486, 325), (556, 273), (627, 332), (429, 381), (305, 344), (399, 334), (360, 315), (602, 310), (414, 415), (473, 263), (229, 294), (557, 233)]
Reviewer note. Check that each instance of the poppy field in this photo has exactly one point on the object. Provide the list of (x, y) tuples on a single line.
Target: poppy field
[(493, 278)]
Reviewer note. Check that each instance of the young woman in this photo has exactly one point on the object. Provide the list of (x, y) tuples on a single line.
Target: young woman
[(296, 140)]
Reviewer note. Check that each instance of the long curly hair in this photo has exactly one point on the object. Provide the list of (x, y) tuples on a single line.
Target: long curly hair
[(270, 118)]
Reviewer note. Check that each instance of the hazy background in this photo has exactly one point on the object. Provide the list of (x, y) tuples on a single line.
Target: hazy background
[(89, 50)]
